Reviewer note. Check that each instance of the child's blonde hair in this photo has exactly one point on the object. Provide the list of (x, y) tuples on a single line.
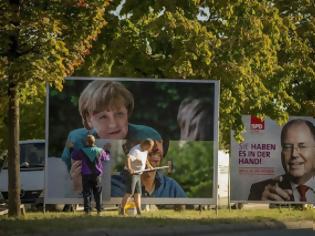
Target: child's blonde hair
[(90, 140), (147, 144), (100, 95)]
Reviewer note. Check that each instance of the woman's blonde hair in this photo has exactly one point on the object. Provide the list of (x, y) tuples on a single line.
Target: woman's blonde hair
[(100, 95)]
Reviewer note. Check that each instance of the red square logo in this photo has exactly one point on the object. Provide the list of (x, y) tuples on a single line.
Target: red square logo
[(256, 123)]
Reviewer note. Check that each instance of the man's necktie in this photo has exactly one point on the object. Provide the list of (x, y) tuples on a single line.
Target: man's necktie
[(302, 190)]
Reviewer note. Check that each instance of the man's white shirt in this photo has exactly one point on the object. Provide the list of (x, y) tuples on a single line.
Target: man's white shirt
[(138, 158), (310, 194)]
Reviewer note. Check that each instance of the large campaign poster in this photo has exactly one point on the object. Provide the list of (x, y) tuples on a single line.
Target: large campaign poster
[(181, 116), (273, 161)]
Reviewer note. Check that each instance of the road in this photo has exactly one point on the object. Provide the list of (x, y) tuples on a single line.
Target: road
[(276, 232), (266, 228)]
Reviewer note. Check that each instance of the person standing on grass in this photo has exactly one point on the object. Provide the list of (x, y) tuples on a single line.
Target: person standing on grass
[(136, 162), (92, 159)]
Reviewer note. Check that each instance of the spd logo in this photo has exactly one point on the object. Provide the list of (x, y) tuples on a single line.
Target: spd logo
[(256, 124)]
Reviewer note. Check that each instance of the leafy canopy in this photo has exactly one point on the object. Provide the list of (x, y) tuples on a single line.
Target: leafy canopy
[(261, 51), (43, 41)]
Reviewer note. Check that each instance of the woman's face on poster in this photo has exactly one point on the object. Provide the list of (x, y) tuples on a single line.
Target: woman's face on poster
[(110, 123), (156, 154)]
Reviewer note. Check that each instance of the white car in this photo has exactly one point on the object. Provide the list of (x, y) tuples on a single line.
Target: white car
[(32, 163)]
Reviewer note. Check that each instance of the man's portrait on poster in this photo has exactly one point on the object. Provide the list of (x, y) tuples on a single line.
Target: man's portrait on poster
[(297, 184)]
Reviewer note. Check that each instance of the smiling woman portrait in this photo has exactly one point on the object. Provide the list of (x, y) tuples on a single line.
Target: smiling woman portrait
[(105, 107)]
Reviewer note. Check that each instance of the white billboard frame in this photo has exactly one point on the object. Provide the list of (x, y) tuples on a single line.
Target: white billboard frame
[(145, 200)]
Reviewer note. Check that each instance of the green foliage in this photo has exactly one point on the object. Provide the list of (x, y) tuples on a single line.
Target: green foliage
[(32, 123), (299, 57), (32, 112), (163, 46), (261, 51), (193, 163), (42, 42)]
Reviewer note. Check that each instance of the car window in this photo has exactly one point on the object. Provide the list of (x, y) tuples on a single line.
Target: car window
[(32, 154)]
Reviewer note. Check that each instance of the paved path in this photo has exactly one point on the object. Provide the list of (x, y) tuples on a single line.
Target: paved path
[(298, 228)]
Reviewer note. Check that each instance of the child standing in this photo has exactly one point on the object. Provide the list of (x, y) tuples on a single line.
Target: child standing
[(92, 159), (135, 164)]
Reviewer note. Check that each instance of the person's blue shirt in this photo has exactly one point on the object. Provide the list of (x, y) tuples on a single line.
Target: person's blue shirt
[(164, 187)]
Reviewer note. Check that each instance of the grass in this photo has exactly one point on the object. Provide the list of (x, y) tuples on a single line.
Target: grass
[(37, 222)]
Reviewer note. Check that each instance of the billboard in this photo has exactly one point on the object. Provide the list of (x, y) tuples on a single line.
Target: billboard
[(274, 162), (181, 116)]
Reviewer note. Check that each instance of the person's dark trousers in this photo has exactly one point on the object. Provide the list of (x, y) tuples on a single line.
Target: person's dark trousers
[(92, 184), (68, 207)]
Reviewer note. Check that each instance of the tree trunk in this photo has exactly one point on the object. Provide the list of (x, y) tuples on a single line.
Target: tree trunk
[(14, 151)]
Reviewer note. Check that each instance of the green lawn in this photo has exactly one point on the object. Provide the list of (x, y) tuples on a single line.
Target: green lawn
[(36, 222)]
